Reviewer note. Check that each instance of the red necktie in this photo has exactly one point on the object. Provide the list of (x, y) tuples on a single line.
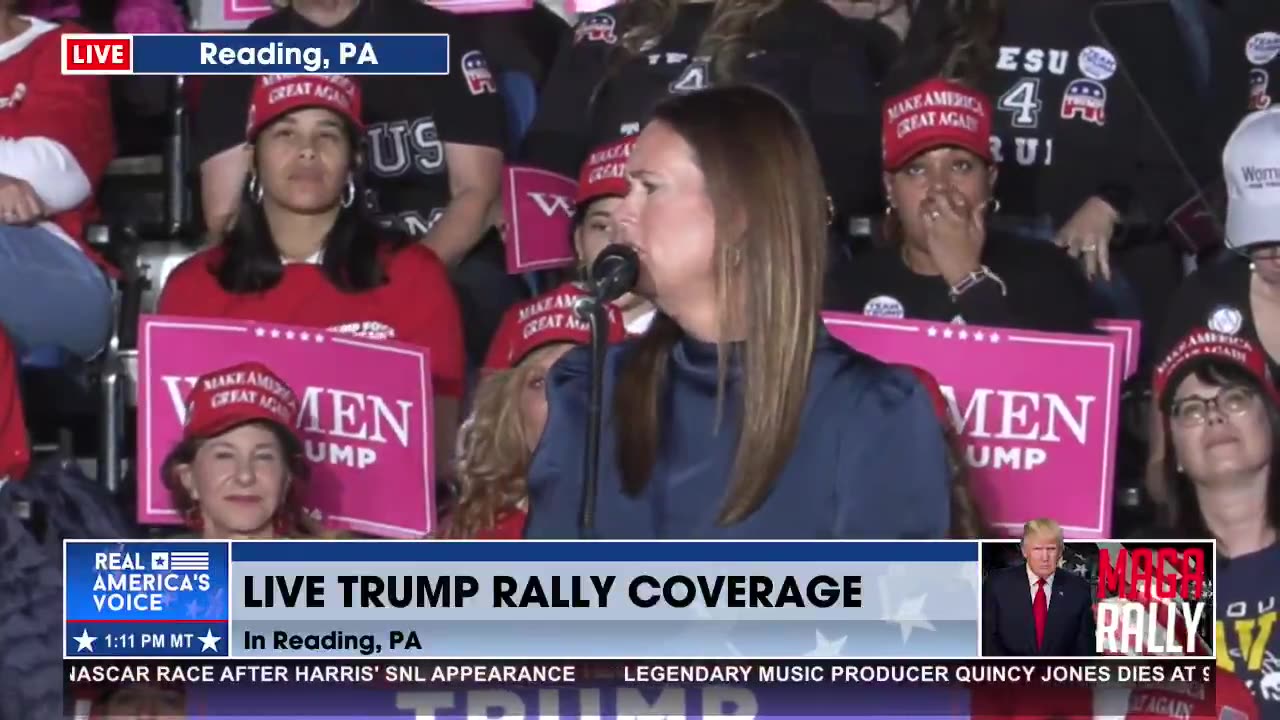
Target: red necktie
[(1040, 609)]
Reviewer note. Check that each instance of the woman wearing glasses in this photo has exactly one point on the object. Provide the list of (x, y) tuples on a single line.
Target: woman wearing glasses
[(1221, 413)]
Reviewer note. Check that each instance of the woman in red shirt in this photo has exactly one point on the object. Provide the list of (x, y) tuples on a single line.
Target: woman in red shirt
[(509, 412), (303, 252)]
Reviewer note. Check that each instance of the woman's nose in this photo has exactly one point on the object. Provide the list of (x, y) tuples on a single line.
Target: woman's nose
[(244, 473)]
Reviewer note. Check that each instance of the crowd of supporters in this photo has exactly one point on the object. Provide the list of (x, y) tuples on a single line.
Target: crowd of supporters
[(1024, 164)]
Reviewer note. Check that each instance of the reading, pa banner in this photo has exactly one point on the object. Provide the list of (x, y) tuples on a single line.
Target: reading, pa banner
[(365, 417), (1039, 441), (253, 54)]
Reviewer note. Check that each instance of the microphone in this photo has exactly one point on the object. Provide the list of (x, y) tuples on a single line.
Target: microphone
[(613, 274)]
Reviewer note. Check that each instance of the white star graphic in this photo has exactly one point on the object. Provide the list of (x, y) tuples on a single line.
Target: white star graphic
[(319, 338), (209, 641), (979, 335), (947, 333), (275, 333), (305, 336), (910, 615), (84, 641), (995, 337), (933, 332), (1081, 569), (825, 647), (288, 334), (964, 334), (259, 332)]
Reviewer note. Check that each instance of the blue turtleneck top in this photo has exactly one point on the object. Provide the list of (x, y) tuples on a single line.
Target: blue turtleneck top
[(870, 461)]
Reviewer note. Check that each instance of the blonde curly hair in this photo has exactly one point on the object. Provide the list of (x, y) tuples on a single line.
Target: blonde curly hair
[(493, 455)]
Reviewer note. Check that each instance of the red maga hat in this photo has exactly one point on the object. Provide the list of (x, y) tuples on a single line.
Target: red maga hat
[(1202, 345), (277, 95), (544, 320), (936, 113), (244, 393), (604, 174)]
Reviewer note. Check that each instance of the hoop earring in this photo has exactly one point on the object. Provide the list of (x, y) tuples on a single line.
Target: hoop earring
[(888, 210), (995, 205), (349, 192), (255, 188)]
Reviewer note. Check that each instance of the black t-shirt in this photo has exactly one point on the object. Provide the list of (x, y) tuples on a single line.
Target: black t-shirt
[(1253, 39), (804, 51), (1045, 290), (407, 119), (1216, 296), (1066, 123)]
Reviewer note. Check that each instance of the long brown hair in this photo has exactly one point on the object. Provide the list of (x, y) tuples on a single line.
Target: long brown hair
[(493, 456), (763, 177), (970, 38), (726, 39)]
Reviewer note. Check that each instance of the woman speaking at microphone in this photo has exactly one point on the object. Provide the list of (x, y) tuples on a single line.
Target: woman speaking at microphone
[(736, 415)]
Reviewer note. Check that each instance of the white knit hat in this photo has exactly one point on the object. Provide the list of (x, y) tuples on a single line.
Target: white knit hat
[(1251, 164)]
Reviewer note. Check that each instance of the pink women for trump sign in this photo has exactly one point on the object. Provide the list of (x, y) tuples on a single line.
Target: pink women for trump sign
[(539, 207), (1036, 413), (365, 421)]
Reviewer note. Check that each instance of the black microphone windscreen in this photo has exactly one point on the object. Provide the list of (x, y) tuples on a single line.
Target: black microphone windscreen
[(615, 272)]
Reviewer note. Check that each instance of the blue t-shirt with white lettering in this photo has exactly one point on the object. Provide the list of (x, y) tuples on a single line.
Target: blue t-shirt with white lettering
[(1247, 589)]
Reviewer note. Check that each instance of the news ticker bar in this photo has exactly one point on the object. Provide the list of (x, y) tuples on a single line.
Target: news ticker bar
[(251, 54), (747, 672), (384, 600)]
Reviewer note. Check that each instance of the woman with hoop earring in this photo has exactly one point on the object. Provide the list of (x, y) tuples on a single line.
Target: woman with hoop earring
[(941, 262), (303, 251)]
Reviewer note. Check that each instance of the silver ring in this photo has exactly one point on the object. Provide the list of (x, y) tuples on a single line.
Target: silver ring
[(935, 214)]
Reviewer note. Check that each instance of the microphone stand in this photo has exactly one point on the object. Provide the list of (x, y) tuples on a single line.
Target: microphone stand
[(596, 313)]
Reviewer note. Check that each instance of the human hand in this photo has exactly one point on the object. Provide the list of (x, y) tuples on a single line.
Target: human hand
[(1087, 237)]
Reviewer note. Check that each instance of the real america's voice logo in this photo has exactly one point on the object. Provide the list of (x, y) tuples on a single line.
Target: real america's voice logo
[(146, 598), (128, 581)]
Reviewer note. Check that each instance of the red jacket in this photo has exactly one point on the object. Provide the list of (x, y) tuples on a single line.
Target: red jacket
[(416, 306), (15, 453), (510, 526)]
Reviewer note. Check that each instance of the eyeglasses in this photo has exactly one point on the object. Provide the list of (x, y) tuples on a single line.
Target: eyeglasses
[(1194, 410)]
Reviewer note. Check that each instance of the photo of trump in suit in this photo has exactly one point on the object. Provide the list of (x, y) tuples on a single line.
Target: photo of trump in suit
[(1036, 607)]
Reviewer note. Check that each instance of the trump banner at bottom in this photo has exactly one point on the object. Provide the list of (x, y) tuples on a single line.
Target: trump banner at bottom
[(539, 207), (365, 416), (1035, 413)]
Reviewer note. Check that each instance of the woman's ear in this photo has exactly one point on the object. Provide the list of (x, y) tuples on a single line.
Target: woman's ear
[(886, 179), (188, 480), (993, 173)]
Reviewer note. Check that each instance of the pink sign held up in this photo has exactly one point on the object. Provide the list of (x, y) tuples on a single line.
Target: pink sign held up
[(539, 207), (1130, 332), (1036, 413), (366, 416)]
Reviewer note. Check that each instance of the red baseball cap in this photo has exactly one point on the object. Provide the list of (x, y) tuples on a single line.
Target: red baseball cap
[(604, 174), (544, 320), (1202, 345), (244, 393), (936, 113), (1227, 699), (277, 95), (934, 390)]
